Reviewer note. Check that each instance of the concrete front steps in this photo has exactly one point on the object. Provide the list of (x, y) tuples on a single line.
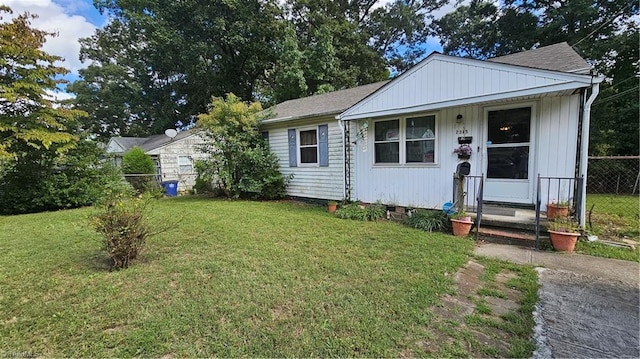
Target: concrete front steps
[(511, 226)]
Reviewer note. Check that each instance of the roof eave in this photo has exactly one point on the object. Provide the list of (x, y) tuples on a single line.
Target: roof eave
[(295, 118), (470, 100)]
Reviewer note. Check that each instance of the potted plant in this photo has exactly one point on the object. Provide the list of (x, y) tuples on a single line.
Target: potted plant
[(461, 223), (557, 209), (564, 234), (463, 151), (332, 206)]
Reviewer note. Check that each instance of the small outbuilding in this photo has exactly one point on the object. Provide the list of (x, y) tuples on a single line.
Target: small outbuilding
[(174, 156)]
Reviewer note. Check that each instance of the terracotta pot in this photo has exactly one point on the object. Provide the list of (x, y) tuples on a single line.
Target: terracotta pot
[(555, 211), (465, 219), (461, 228), (332, 207), (564, 241)]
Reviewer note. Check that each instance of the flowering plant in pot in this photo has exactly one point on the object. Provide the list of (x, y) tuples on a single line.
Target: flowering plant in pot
[(557, 209), (463, 151), (564, 233)]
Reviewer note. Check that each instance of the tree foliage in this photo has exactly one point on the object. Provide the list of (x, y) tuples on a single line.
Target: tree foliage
[(158, 62), (28, 117), (44, 180), (240, 161), (46, 164), (605, 32)]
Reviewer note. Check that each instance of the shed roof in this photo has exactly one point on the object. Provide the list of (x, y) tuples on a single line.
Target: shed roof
[(126, 143), (149, 143), (331, 103), (556, 57)]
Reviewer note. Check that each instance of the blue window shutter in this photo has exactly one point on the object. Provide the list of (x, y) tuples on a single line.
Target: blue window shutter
[(323, 145), (293, 158)]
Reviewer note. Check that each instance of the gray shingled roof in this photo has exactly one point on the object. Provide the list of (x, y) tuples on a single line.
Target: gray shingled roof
[(156, 141), (128, 142), (325, 104), (556, 57), (148, 143)]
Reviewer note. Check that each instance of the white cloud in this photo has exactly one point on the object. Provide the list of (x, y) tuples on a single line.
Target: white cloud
[(53, 17)]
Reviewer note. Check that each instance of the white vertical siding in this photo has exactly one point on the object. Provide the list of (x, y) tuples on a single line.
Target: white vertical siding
[(410, 185), (443, 79), (310, 181), (429, 186), (558, 135)]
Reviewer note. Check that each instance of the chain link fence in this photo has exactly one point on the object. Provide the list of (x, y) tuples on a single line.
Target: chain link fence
[(613, 197)]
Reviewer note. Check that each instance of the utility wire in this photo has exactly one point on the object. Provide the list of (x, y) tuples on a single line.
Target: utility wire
[(613, 97), (604, 24)]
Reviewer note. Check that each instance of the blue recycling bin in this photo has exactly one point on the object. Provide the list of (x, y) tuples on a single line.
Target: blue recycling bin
[(170, 188)]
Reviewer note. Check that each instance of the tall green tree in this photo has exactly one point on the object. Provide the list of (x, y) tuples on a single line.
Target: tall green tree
[(46, 163), (157, 64), (29, 121), (605, 32)]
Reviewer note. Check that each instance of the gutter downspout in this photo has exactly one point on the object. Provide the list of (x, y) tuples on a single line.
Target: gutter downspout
[(584, 150), (344, 158)]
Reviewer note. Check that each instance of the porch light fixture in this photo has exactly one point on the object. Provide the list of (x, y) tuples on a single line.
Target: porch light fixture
[(459, 118)]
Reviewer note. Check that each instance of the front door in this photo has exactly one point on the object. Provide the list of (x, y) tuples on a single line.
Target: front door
[(508, 164)]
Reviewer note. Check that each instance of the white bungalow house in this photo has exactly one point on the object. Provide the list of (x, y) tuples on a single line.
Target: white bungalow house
[(522, 115), (174, 157)]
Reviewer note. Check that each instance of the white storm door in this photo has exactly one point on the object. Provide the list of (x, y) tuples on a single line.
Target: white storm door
[(508, 166)]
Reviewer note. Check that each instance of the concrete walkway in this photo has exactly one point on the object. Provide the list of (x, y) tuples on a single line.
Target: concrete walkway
[(589, 306)]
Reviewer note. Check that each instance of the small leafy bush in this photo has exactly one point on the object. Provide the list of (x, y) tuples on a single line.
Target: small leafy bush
[(136, 162), (359, 212), (428, 220), (124, 225)]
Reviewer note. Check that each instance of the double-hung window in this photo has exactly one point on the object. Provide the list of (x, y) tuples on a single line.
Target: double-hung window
[(185, 166), (405, 140), (309, 146)]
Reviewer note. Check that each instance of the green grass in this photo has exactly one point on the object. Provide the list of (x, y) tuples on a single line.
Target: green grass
[(603, 250), (234, 278), (614, 216)]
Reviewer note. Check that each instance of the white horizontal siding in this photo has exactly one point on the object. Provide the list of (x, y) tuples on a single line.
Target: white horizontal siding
[(310, 181), (168, 156)]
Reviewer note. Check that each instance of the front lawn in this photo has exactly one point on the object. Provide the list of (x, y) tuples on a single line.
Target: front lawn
[(234, 278)]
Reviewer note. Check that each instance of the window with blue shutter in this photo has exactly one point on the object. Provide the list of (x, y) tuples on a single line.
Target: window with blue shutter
[(323, 145), (293, 150)]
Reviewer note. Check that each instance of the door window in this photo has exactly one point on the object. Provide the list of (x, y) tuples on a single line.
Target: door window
[(508, 143)]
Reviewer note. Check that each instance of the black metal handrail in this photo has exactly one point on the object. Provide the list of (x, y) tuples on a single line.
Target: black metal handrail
[(558, 189)]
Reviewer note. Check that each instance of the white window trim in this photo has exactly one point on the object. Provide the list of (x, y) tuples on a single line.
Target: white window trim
[(190, 162), (403, 142), (299, 146)]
